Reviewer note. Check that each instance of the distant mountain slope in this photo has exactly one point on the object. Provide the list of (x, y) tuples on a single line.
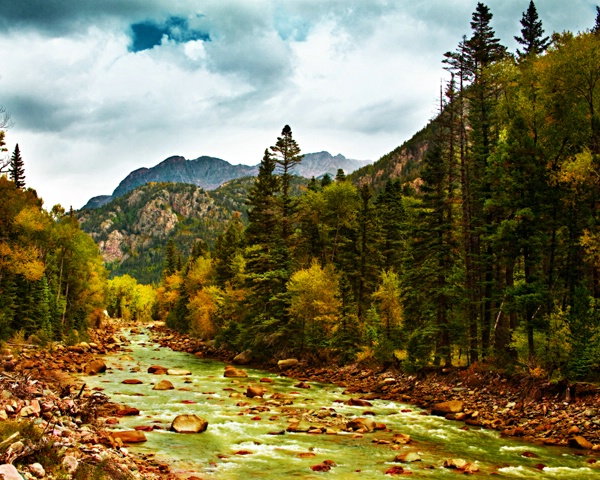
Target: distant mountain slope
[(404, 163), (210, 172), (132, 230)]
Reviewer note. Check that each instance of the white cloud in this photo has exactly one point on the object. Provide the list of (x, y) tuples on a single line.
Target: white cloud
[(351, 77)]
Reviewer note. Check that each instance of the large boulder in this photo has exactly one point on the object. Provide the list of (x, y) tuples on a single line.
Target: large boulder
[(232, 372), (9, 472), (163, 385), (189, 424), (444, 408), (287, 363), (243, 358), (129, 436), (94, 367)]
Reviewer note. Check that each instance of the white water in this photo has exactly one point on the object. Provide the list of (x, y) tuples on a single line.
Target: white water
[(233, 428)]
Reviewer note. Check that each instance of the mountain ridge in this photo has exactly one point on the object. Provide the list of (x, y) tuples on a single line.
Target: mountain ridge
[(211, 172)]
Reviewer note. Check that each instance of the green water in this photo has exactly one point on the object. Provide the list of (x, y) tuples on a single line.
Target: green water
[(232, 428)]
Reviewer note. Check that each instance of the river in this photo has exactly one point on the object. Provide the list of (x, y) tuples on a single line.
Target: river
[(241, 443)]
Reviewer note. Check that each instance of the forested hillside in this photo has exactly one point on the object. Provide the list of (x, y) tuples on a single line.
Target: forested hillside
[(493, 258), (52, 282), (134, 229)]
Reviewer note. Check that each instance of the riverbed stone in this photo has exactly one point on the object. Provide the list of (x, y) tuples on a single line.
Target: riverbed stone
[(189, 424), (457, 463), (361, 423), (287, 363), (444, 408), (408, 457), (232, 372), (94, 367), (9, 472), (163, 385), (157, 370), (127, 411), (178, 372), (129, 436), (243, 358), (37, 470), (132, 381), (255, 391), (580, 442)]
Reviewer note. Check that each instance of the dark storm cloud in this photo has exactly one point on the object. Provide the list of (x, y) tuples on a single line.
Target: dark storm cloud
[(62, 17), (41, 114)]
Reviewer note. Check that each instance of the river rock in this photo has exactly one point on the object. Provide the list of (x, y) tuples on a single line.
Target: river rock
[(189, 424), (360, 423), (255, 391), (127, 411), (358, 402), (287, 363), (408, 457), (9, 472), (580, 442), (452, 406), (157, 370), (132, 381), (129, 436), (232, 372), (401, 438), (70, 463), (37, 470), (243, 358), (395, 470), (178, 371), (457, 463), (94, 367), (163, 385)]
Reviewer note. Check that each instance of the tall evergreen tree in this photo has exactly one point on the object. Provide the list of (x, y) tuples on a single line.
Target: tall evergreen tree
[(172, 259), (596, 28), (16, 169), (267, 265), (532, 33), (392, 218), (287, 156)]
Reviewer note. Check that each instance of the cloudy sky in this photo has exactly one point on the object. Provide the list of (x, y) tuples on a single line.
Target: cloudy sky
[(98, 88)]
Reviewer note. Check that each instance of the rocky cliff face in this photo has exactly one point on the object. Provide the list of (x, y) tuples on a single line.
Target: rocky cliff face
[(210, 172), (133, 229)]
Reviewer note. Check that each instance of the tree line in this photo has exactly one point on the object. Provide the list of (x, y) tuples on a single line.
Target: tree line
[(52, 281), (492, 257)]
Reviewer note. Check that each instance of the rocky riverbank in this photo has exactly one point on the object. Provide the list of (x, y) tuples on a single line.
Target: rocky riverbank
[(52, 425), (526, 407)]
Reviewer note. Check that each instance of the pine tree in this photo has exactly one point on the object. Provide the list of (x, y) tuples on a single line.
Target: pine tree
[(392, 217), (172, 259), (16, 168), (287, 156), (326, 180), (532, 33), (340, 176), (227, 247), (596, 28), (268, 266)]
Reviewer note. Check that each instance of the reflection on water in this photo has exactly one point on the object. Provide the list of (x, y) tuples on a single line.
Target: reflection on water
[(244, 437)]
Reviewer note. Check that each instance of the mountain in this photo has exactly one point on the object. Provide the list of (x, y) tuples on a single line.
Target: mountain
[(210, 172), (403, 163), (133, 229)]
